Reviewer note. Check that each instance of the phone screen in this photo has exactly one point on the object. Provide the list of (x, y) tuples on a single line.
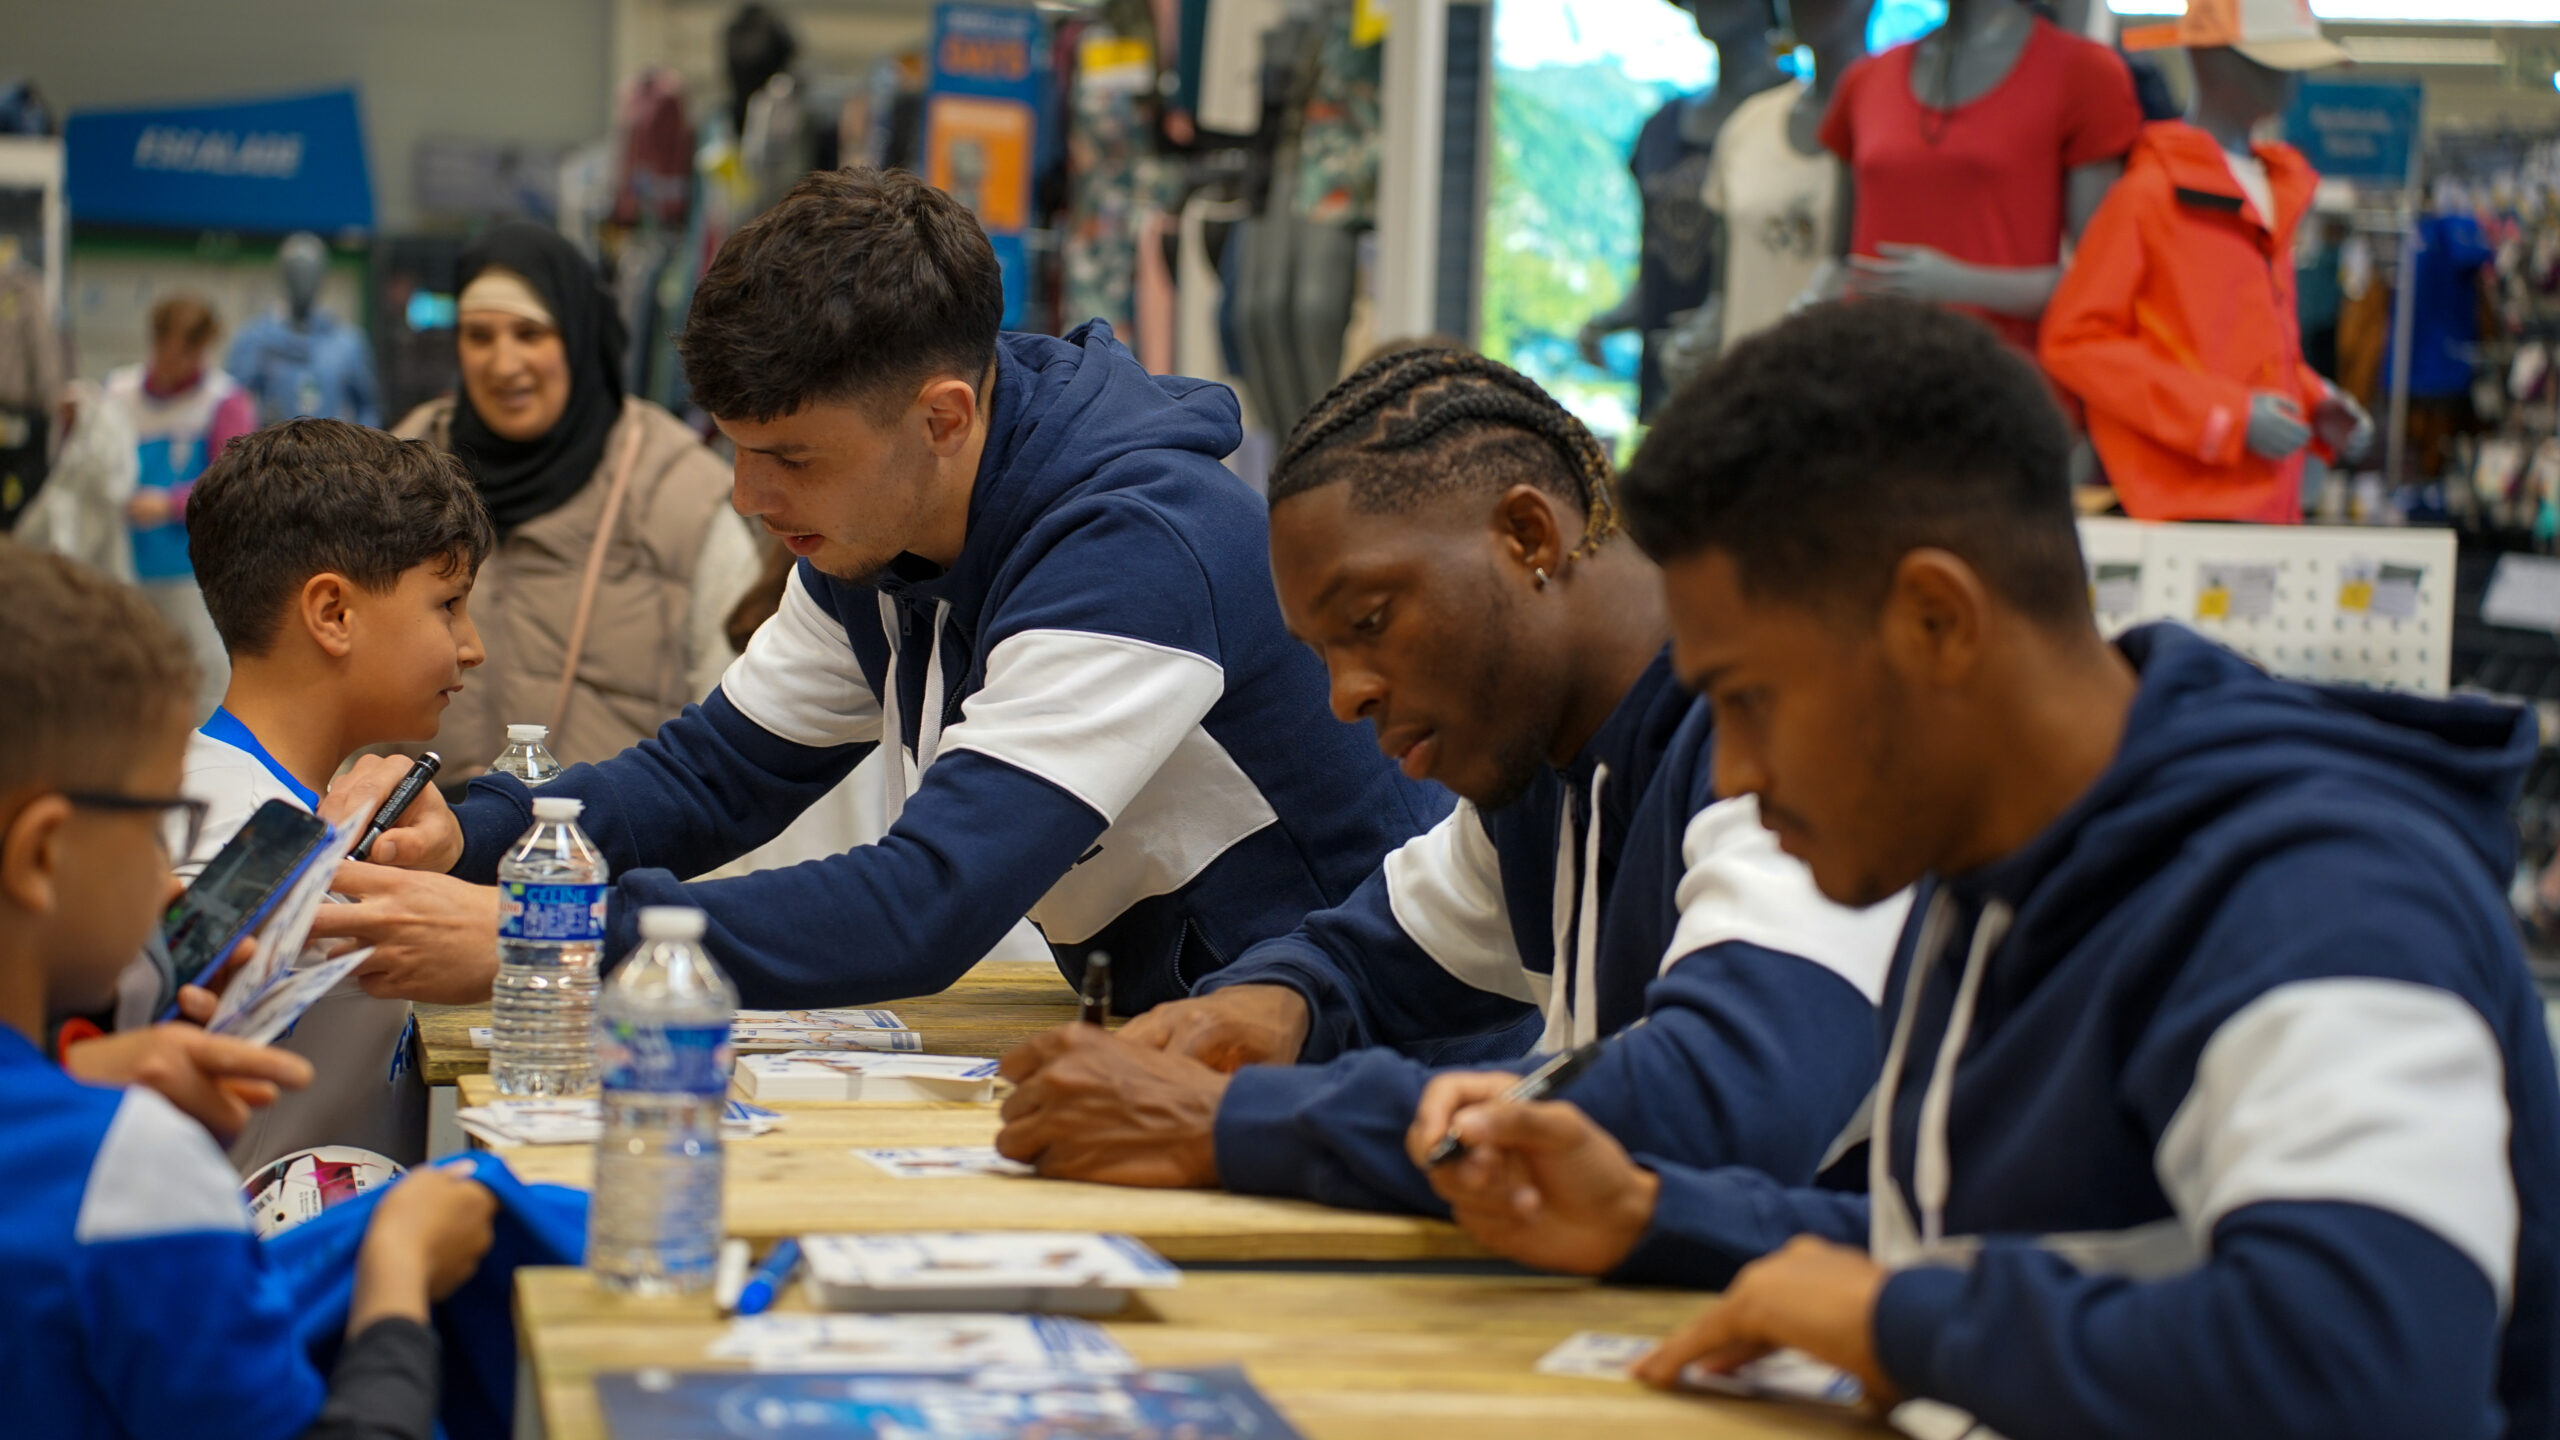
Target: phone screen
[(238, 886)]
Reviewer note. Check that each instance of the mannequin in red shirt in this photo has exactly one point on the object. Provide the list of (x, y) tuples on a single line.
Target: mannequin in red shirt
[(1970, 156)]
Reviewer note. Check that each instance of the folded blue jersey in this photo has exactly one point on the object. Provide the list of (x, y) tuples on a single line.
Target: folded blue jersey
[(536, 1225), (140, 1305)]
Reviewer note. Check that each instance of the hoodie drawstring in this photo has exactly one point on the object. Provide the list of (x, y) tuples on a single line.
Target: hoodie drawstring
[(1891, 1236), (1573, 1016), (905, 774), (1932, 1172)]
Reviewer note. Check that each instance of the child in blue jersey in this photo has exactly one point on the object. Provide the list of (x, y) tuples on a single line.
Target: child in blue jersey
[(337, 563), (139, 1305), (2217, 1099)]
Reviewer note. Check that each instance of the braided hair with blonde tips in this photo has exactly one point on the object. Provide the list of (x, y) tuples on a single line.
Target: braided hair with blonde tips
[(1453, 419)]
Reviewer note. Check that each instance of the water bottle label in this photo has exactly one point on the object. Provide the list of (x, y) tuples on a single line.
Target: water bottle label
[(663, 1059), (550, 912)]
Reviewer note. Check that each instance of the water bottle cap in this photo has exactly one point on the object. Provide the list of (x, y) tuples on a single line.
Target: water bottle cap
[(671, 922), (557, 807), (528, 734)]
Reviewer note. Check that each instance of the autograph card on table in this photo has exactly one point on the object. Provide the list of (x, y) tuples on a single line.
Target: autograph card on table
[(1595, 1355), (943, 1162), (917, 1344)]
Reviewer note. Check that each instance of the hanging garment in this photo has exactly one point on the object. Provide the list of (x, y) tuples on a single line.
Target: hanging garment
[(2177, 310), (1678, 241), (655, 149), (1115, 179), (80, 512)]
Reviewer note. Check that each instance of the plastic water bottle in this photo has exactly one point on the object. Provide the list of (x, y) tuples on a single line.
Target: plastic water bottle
[(662, 1047), (551, 900), (525, 757)]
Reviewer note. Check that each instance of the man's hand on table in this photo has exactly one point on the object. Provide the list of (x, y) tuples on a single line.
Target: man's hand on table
[(1810, 1295), (435, 938), (1088, 1105), (1228, 1029), (1541, 1184), (425, 837)]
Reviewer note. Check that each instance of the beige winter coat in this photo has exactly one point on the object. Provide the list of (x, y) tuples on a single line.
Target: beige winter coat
[(632, 674)]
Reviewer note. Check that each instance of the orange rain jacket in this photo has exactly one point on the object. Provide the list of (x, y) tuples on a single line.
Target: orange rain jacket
[(2178, 305)]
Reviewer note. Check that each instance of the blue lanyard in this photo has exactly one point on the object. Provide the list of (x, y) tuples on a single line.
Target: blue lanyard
[(226, 727)]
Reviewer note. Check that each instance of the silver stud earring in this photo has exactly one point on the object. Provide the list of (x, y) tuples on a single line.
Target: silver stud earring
[(1541, 574)]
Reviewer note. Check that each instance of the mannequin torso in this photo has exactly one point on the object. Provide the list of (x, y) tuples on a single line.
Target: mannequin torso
[(1964, 59), (2015, 131)]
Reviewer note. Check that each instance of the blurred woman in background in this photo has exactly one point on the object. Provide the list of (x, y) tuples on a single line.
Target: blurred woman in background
[(618, 556)]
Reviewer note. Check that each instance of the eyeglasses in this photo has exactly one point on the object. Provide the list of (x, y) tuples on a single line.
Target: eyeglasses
[(181, 817)]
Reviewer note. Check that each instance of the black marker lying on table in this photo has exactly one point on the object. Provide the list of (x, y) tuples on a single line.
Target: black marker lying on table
[(1558, 1072), (421, 770), (1093, 1001)]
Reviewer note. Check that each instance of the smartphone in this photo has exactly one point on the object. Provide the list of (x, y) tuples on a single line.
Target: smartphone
[(239, 886)]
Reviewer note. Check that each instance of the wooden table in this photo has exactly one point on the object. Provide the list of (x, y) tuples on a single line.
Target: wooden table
[(1368, 1357), (805, 1179), (993, 1008)]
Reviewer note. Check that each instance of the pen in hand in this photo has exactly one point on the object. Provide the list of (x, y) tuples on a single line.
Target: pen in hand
[(421, 770), (1558, 1072), (1093, 1001)]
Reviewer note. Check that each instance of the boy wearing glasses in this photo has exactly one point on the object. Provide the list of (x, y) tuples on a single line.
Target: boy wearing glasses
[(337, 564), (112, 1203)]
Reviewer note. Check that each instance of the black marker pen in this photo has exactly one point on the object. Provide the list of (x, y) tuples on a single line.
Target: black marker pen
[(421, 770), (1093, 1002)]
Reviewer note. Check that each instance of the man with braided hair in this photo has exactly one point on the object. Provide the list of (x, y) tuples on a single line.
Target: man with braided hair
[(1446, 537)]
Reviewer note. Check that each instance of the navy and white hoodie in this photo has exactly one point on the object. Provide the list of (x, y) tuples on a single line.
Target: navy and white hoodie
[(1098, 720), (1758, 994), (2223, 1108)]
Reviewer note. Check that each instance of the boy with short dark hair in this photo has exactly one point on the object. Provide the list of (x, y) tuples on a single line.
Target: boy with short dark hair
[(113, 1204), (337, 564)]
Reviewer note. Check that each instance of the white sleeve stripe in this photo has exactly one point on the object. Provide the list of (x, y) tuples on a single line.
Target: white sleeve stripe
[(1095, 715), (1739, 886), (1444, 887), (2372, 1092), (157, 1173), (798, 678)]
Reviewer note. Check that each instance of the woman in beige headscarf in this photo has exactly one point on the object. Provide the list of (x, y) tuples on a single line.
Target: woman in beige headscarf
[(616, 540)]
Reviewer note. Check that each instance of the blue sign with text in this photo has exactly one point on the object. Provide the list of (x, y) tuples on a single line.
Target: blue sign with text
[(260, 165), (2357, 129)]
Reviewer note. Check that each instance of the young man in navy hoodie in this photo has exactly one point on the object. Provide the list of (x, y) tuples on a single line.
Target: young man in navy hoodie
[(2218, 1100), (1446, 536), (1024, 576)]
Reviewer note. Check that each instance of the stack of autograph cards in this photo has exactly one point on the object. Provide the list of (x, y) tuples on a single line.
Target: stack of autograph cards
[(1781, 1375), (581, 1122), (911, 1344), (1058, 1272), (864, 1075), (778, 1030)]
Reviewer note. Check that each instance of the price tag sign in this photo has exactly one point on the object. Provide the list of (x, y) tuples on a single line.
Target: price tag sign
[(2383, 591), (2235, 592), (2117, 587)]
